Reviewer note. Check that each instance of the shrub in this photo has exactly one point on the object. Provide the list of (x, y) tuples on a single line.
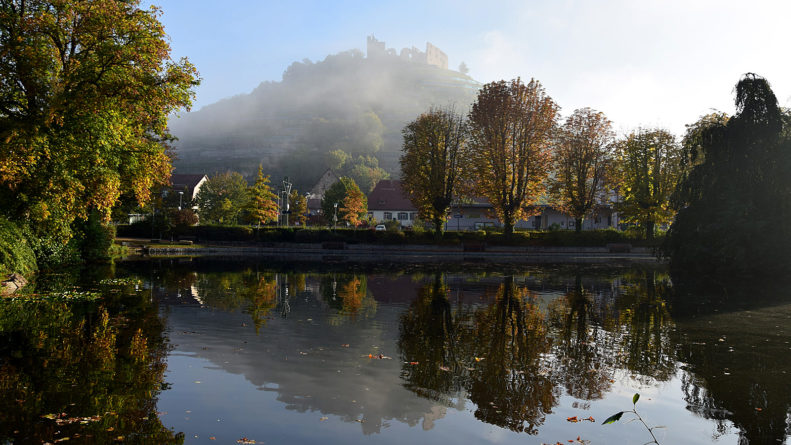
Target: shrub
[(16, 253)]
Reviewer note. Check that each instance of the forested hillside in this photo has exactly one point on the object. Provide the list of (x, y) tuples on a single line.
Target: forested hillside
[(345, 112)]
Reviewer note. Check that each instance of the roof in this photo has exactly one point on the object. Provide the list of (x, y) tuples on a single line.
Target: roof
[(387, 195), (327, 179), (185, 181)]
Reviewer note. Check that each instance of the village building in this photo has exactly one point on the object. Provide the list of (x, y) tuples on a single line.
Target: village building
[(387, 202), (316, 193)]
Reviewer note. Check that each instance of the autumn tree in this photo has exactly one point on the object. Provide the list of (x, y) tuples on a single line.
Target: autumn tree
[(299, 207), (582, 157), (649, 167), (336, 194), (511, 125), (261, 206), (354, 207), (221, 198), (86, 89), (431, 162)]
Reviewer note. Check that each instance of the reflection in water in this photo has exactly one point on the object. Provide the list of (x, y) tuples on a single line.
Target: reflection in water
[(92, 370), (513, 350)]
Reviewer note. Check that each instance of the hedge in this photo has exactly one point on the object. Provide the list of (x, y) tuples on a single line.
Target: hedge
[(16, 254)]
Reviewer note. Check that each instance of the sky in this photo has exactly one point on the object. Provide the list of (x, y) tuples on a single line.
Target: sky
[(644, 63)]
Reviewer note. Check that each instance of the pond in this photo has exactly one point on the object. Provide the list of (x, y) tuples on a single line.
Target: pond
[(235, 351)]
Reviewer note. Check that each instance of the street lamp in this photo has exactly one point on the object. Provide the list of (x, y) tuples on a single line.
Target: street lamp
[(286, 193), (334, 216), (181, 194)]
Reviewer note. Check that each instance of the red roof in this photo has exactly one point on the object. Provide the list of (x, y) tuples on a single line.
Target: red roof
[(387, 195)]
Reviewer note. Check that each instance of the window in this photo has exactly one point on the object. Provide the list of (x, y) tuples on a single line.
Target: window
[(403, 216), (388, 216)]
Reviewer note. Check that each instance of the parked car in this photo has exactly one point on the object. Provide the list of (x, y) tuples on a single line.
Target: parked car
[(380, 228)]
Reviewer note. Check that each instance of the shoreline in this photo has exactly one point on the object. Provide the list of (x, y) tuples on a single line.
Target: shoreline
[(413, 253)]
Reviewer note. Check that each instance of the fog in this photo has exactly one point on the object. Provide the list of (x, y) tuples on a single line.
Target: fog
[(345, 112)]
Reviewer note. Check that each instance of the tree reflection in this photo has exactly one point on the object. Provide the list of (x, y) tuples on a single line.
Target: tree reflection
[(348, 294), (491, 352), (69, 360)]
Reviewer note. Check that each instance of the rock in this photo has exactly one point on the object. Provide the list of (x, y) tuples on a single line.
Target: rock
[(13, 283)]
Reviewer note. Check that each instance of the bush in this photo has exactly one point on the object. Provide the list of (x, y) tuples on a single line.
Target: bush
[(93, 238), (16, 253)]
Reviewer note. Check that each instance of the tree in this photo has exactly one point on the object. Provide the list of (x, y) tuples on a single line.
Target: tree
[(511, 125), (222, 197), (582, 158), (299, 207), (734, 202), (336, 194), (354, 208), (649, 163), (86, 89), (430, 162), (261, 206)]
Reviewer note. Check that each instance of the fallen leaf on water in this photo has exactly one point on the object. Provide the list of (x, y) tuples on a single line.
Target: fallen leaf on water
[(324, 418), (212, 438), (758, 409), (414, 363), (245, 440), (110, 429), (477, 359), (444, 368), (345, 345), (572, 419)]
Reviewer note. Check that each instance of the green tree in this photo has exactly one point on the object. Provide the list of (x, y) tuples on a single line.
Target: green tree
[(734, 202), (649, 163), (336, 194), (582, 157), (431, 162), (511, 125), (86, 89), (221, 198), (261, 206), (299, 208)]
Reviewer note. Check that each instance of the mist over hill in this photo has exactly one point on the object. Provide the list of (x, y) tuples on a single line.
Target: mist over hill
[(345, 112)]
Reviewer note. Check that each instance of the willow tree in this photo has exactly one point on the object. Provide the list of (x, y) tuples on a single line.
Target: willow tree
[(735, 201), (582, 158), (86, 89), (430, 162), (508, 157), (649, 167)]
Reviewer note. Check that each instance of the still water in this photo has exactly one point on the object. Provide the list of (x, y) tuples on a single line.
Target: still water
[(207, 351)]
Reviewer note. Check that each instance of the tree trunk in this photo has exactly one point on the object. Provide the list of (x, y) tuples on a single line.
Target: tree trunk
[(649, 230), (508, 227), (438, 227), (578, 224)]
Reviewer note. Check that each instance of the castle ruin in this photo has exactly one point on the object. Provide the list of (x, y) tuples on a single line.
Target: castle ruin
[(432, 56)]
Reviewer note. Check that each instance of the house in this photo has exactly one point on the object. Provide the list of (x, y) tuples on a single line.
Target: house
[(186, 185), (387, 202), (316, 194)]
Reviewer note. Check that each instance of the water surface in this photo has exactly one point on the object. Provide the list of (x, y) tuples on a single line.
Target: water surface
[(207, 351)]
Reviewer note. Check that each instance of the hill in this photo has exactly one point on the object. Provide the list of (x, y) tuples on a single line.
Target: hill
[(345, 112)]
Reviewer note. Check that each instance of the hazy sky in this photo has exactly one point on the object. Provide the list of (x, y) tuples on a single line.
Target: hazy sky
[(641, 62)]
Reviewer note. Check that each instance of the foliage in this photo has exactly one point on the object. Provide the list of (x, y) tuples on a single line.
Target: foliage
[(261, 206), (354, 208), (299, 208), (222, 197), (511, 125), (93, 238), (86, 92), (183, 218), (336, 194), (16, 254), (581, 161), (431, 162), (649, 167), (617, 416), (734, 203)]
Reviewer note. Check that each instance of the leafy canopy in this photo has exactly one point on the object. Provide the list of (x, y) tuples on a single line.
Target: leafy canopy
[(85, 92)]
